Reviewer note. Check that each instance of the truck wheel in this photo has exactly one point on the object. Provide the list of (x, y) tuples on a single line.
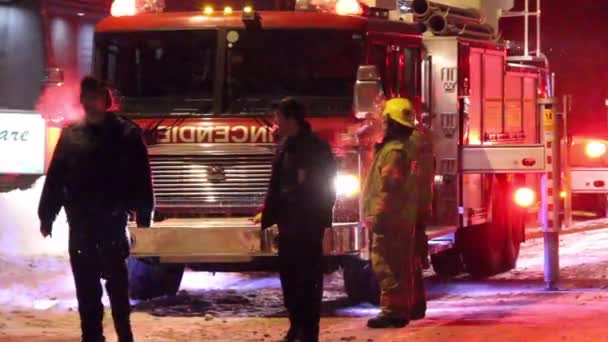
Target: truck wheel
[(447, 263), (484, 246), (360, 281), (149, 279)]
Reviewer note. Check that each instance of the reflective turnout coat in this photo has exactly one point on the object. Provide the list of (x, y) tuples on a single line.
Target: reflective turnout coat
[(391, 194)]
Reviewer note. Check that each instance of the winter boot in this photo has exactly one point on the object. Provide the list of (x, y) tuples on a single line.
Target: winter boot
[(382, 322)]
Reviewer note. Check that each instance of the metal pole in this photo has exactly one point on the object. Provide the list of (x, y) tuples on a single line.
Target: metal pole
[(537, 28), (551, 224), (526, 27), (566, 154)]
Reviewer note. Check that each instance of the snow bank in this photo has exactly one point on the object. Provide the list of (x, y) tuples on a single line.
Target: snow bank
[(20, 228)]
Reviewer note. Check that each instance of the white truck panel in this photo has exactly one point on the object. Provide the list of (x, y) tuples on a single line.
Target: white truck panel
[(503, 159), (589, 180)]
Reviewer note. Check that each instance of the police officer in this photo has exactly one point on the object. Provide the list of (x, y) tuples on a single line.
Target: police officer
[(390, 206), (300, 201), (98, 173)]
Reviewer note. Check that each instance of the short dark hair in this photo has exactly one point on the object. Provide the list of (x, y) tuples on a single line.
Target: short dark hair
[(289, 107), (92, 85)]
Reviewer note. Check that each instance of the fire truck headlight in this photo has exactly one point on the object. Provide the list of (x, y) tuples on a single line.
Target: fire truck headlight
[(524, 197), (595, 149), (347, 185)]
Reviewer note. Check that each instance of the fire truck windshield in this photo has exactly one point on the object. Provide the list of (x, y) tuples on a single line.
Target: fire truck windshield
[(264, 65), (160, 70), (175, 71)]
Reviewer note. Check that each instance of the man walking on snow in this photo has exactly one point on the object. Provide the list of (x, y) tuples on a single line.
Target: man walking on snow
[(98, 173)]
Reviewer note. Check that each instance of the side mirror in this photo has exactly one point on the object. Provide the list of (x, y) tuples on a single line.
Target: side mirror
[(368, 91), (53, 77)]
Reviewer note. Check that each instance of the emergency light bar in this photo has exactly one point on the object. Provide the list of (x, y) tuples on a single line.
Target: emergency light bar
[(342, 7), (121, 8)]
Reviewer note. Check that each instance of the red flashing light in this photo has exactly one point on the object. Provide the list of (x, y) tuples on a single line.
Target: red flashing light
[(348, 7), (595, 149), (524, 197), (121, 8)]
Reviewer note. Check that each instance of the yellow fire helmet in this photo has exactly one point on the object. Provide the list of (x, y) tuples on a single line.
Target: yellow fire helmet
[(400, 110)]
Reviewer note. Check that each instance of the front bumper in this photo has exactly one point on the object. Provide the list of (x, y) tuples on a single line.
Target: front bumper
[(231, 240)]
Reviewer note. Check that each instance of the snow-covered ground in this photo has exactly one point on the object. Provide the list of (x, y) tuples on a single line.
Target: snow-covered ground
[(19, 225), (37, 303)]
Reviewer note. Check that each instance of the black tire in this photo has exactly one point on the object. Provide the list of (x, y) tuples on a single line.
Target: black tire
[(149, 279), (447, 263), (360, 281), (493, 247)]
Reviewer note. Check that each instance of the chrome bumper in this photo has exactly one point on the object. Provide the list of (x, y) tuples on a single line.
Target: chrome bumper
[(227, 240)]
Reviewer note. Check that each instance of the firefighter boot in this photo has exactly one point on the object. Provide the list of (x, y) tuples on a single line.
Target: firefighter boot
[(419, 311), (382, 322)]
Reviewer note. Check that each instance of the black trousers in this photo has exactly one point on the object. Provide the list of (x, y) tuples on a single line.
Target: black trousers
[(94, 258), (301, 273)]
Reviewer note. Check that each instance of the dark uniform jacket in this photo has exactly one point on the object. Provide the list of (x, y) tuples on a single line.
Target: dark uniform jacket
[(301, 191), (97, 174)]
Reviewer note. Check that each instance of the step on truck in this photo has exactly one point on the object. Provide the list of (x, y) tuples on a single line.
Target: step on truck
[(203, 84)]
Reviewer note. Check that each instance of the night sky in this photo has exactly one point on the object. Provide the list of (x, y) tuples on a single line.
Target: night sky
[(575, 39)]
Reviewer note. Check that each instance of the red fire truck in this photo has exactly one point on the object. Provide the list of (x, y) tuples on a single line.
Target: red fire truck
[(202, 85)]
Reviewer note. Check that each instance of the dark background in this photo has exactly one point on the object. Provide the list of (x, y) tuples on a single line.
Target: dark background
[(575, 39)]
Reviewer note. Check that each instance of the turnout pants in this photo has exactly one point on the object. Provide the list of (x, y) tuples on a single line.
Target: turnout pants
[(419, 300), (393, 260), (94, 258), (301, 273)]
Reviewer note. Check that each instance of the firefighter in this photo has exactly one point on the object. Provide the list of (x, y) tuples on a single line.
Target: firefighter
[(300, 201), (421, 148), (99, 172), (390, 208)]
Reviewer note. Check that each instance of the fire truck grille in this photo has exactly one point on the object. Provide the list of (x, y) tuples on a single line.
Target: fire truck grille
[(214, 183)]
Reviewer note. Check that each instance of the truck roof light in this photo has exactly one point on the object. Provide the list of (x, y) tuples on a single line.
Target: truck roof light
[(121, 8), (249, 14), (208, 10), (348, 7), (227, 10)]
